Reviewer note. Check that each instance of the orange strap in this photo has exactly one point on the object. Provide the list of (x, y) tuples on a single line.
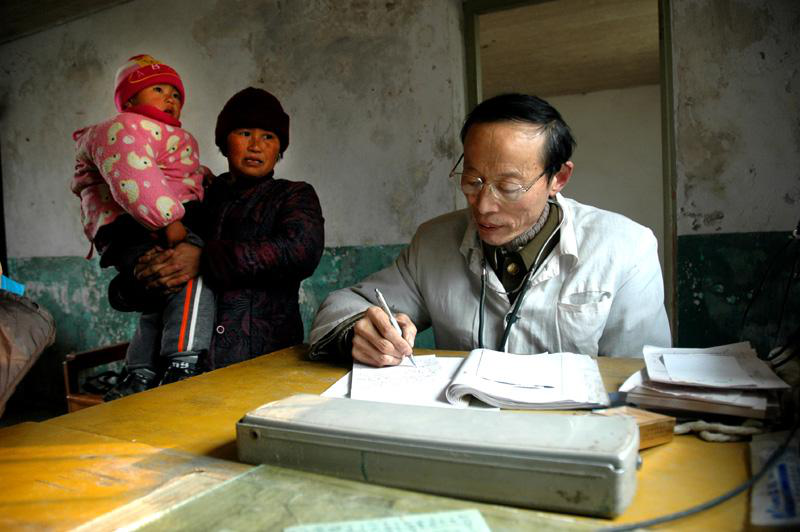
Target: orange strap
[(186, 305)]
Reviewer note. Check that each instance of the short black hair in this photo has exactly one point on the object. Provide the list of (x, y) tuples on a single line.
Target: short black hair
[(531, 110)]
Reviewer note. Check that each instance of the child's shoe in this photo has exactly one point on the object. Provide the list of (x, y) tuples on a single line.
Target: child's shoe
[(137, 380), (181, 367)]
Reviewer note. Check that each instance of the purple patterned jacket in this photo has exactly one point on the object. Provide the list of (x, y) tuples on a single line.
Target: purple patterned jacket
[(264, 238)]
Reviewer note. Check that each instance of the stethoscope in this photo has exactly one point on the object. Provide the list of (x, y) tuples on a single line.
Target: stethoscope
[(512, 318)]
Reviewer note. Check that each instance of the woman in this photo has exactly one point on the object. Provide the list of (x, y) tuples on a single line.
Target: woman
[(265, 236)]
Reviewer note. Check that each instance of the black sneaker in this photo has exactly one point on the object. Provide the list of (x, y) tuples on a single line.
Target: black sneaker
[(180, 368), (136, 380)]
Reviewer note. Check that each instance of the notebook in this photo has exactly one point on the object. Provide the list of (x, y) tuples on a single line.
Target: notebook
[(547, 381)]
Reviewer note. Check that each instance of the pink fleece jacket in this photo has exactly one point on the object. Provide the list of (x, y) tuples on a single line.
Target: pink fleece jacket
[(135, 164)]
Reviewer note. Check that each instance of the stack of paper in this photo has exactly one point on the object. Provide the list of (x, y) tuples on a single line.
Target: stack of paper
[(728, 380)]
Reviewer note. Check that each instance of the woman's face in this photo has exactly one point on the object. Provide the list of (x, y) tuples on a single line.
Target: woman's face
[(252, 152)]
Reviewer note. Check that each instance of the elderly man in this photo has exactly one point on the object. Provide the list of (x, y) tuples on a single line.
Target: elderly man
[(523, 269)]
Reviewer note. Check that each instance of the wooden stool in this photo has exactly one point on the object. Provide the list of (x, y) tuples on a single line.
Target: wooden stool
[(74, 363)]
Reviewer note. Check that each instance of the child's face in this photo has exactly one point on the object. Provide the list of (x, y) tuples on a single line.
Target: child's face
[(163, 97), (252, 152)]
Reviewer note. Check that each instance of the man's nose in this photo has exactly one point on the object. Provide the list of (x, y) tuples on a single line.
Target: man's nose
[(254, 144), (486, 201)]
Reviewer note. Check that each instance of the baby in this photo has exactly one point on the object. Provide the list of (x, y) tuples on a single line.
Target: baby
[(140, 183)]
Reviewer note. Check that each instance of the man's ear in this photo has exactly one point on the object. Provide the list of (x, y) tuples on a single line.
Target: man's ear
[(559, 180)]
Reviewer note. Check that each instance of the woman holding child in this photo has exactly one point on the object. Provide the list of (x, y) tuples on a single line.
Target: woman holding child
[(265, 236)]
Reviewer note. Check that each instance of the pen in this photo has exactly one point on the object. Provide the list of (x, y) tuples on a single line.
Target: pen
[(396, 325)]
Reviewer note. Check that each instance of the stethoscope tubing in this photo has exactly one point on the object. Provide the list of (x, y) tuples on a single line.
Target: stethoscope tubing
[(513, 317)]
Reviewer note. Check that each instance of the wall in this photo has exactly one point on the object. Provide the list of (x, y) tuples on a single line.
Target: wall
[(375, 94), (618, 158), (736, 71)]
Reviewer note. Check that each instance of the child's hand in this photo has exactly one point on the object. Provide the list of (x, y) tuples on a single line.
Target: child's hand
[(175, 233)]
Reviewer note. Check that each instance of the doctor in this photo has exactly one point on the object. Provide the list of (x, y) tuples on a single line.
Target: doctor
[(523, 269)]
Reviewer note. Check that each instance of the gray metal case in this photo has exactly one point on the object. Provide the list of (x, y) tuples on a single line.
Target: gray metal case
[(583, 464)]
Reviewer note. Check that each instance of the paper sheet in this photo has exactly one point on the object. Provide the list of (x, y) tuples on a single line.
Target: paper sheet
[(719, 371), (544, 381), (775, 499), (405, 384), (459, 520), (507, 368), (340, 388), (762, 377)]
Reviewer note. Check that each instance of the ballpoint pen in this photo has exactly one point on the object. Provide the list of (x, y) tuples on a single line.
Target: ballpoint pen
[(396, 325)]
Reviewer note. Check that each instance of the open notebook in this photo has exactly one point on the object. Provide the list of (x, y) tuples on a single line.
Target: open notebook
[(549, 381)]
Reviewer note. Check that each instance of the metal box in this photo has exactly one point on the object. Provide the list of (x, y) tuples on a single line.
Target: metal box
[(583, 464)]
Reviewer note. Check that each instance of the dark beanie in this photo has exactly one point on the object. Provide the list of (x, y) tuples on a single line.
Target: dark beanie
[(254, 108)]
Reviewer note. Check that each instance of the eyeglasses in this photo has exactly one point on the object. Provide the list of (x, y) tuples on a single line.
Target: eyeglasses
[(471, 184)]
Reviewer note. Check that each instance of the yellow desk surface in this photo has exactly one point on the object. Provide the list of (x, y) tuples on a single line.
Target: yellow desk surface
[(193, 422)]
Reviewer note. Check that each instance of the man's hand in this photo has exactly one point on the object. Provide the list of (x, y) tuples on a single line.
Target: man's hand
[(169, 269), (377, 343)]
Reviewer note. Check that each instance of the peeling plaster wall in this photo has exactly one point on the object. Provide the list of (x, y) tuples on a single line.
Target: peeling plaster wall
[(374, 90), (737, 108), (736, 67)]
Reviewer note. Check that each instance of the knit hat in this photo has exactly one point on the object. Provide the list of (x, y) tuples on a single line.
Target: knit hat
[(140, 72), (252, 108)]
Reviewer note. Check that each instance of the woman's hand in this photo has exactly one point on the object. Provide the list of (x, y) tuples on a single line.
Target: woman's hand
[(169, 269)]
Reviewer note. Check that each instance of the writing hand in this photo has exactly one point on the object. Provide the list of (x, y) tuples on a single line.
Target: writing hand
[(377, 343)]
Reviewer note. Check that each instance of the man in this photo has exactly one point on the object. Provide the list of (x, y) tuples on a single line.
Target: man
[(522, 269)]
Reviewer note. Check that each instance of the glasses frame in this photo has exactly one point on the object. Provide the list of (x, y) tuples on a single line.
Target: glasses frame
[(497, 195)]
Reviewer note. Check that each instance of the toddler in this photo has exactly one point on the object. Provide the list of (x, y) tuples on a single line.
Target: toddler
[(141, 185)]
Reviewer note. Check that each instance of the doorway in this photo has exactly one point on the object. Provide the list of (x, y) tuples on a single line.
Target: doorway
[(605, 66)]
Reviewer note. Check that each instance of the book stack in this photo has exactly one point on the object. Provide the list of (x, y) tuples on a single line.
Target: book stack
[(726, 380)]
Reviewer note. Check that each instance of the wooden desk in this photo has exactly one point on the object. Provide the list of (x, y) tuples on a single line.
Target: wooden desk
[(195, 420)]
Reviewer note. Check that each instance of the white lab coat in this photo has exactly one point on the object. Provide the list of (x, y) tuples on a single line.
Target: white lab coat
[(600, 291)]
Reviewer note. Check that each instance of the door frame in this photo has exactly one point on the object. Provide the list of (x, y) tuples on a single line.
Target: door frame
[(472, 9)]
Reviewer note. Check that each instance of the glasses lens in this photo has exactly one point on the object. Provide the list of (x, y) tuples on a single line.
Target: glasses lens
[(507, 191), (470, 185), (508, 195)]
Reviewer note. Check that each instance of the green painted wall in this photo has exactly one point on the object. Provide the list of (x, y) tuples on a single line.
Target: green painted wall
[(73, 290), (718, 276)]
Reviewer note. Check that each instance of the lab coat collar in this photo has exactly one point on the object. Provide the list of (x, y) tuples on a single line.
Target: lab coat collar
[(567, 244), (471, 245), (472, 250)]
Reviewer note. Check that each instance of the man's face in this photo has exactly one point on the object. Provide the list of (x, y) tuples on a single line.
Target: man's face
[(510, 152), (163, 97), (252, 152)]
